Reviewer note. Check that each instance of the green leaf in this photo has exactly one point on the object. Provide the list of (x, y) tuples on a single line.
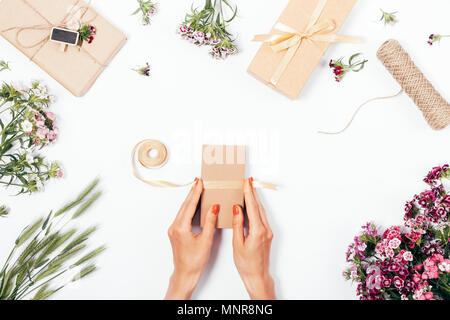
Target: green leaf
[(47, 220), (353, 57)]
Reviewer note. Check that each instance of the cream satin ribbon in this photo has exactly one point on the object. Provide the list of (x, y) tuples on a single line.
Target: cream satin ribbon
[(48, 26), (143, 149), (284, 37)]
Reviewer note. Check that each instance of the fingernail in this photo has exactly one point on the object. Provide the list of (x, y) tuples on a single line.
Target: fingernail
[(250, 181), (196, 180), (215, 209), (236, 210)]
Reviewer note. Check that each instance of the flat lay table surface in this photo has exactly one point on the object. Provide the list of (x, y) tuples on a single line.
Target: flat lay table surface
[(329, 185)]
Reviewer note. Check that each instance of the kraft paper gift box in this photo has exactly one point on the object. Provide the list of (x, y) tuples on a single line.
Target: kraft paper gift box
[(223, 172), (27, 25), (296, 17)]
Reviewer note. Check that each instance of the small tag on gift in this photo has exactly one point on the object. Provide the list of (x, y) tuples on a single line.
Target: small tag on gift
[(64, 36)]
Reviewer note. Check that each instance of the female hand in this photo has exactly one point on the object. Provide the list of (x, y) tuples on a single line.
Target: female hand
[(190, 251), (252, 253)]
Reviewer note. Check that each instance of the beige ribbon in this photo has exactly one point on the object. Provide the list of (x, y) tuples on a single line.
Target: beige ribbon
[(284, 37), (48, 26), (143, 149)]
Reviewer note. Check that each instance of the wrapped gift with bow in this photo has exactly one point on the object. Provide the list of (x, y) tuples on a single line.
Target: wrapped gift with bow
[(28, 25), (297, 42)]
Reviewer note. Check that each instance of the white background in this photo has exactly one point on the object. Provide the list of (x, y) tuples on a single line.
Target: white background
[(330, 185)]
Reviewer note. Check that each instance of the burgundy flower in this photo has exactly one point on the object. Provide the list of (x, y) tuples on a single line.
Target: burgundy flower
[(408, 206), (340, 68), (409, 285), (394, 267), (389, 265), (446, 200), (436, 38), (442, 212), (403, 273), (398, 282), (387, 282)]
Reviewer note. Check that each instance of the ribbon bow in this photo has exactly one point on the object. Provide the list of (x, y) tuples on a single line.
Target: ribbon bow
[(284, 37)]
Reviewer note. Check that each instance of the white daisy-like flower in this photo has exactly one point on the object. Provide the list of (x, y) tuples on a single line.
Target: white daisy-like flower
[(394, 243), (27, 126), (39, 184), (362, 246), (29, 158), (407, 256), (18, 86), (40, 124)]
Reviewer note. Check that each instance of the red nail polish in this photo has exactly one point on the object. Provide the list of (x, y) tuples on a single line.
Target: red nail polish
[(196, 180), (215, 209), (236, 210), (250, 181)]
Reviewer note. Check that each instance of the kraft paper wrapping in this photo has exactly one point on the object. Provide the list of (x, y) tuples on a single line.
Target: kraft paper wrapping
[(76, 69), (297, 15), (223, 163)]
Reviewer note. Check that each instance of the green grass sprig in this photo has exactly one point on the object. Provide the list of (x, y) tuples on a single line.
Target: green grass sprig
[(45, 250)]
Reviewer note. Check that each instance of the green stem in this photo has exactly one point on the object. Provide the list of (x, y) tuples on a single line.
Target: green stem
[(12, 120), (32, 276), (12, 184), (221, 13), (24, 293), (1, 105), (9, 258)]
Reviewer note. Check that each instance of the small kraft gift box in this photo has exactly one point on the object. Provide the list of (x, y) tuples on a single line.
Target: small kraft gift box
[(223, 172), (297, 42), (27, 24)]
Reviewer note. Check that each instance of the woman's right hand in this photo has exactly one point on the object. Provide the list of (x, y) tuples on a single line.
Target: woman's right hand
[(252, 253)]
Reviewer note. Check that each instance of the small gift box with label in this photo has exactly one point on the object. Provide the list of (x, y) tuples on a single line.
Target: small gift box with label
[(297, 42), (51, 34)]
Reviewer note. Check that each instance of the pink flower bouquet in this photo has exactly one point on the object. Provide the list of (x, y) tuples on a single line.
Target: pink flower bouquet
[(26, 126), (409, 261)]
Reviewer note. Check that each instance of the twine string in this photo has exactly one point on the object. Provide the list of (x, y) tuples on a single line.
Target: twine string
[(63, 24), (357, 111)]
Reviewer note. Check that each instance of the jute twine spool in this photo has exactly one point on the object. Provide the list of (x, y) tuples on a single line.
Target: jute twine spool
[(397, 61), (434, 108)]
